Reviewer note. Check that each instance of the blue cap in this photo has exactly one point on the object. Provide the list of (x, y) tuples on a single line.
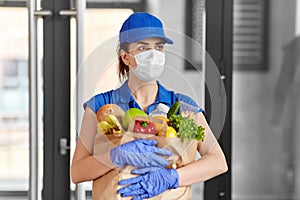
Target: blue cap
[(141, 25)]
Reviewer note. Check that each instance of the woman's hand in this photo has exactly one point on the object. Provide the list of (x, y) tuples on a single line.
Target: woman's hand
[(141, 153), (150, 184)]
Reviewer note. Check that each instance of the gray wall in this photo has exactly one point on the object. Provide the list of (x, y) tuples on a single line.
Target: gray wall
[(262, 143), (264, 164)]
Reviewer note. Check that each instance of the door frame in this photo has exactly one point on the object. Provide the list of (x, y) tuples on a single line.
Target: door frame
[(219, 16), (56, 75)]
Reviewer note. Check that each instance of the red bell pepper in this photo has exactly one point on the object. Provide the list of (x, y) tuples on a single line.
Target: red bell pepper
[(146, 127)]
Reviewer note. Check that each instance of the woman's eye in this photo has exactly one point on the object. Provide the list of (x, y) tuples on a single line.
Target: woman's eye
[(142, 48), (159, 48)]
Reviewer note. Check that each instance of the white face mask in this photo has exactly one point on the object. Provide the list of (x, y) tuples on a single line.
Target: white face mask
[(150, 65)]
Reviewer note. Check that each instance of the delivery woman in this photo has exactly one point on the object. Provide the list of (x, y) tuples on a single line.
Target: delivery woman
[(141, 62)]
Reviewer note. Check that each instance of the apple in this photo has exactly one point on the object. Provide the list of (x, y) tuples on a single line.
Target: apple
[(129, 114)]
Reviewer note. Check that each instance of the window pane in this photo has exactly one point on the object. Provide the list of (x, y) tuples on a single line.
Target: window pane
[(195, 29), (14, 145)]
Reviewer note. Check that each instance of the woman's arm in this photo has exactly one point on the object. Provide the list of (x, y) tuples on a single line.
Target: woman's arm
[(85, 166), (211, 163)]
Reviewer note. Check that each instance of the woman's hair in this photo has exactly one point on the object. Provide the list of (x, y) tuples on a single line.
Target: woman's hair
[(122, 67)]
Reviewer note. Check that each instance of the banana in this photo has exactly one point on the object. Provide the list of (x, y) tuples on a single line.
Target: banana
[(111, 119), (117, 131), (117, 127), (110, 125), (104, 127)]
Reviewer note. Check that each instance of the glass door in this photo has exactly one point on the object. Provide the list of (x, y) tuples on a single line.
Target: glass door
[(93, 32), (14, 103), (14, 122)]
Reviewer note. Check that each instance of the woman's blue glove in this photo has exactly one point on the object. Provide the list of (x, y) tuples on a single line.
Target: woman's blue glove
[(140, 153), (144, 170), (150, 184)]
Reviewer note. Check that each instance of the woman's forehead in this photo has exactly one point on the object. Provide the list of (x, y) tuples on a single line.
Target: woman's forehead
[(150, 41)]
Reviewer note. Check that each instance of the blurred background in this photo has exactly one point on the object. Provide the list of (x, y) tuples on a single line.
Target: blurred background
[(265, 91)]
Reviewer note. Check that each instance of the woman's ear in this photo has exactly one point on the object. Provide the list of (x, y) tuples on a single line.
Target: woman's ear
[(125, 57)]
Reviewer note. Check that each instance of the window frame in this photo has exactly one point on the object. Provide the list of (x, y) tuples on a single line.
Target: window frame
[(263, 63), (14, 3)]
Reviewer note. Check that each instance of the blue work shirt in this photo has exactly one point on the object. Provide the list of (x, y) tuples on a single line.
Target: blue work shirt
[(123, 98)]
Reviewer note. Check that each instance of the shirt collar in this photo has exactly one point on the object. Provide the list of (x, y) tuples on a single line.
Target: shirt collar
[(163, 95)]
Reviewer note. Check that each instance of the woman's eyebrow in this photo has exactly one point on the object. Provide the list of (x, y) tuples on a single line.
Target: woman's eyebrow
[(145, 43)]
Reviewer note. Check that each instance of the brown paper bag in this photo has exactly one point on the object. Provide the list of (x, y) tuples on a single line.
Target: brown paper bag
[(106, 186)]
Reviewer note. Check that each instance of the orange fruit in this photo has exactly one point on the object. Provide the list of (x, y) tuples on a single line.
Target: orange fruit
[(161, 133), (162, 118), (161, 123)]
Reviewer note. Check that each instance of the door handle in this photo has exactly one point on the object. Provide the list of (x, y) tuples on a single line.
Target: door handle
[(68, 13), (63, 146), (42, 13)]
